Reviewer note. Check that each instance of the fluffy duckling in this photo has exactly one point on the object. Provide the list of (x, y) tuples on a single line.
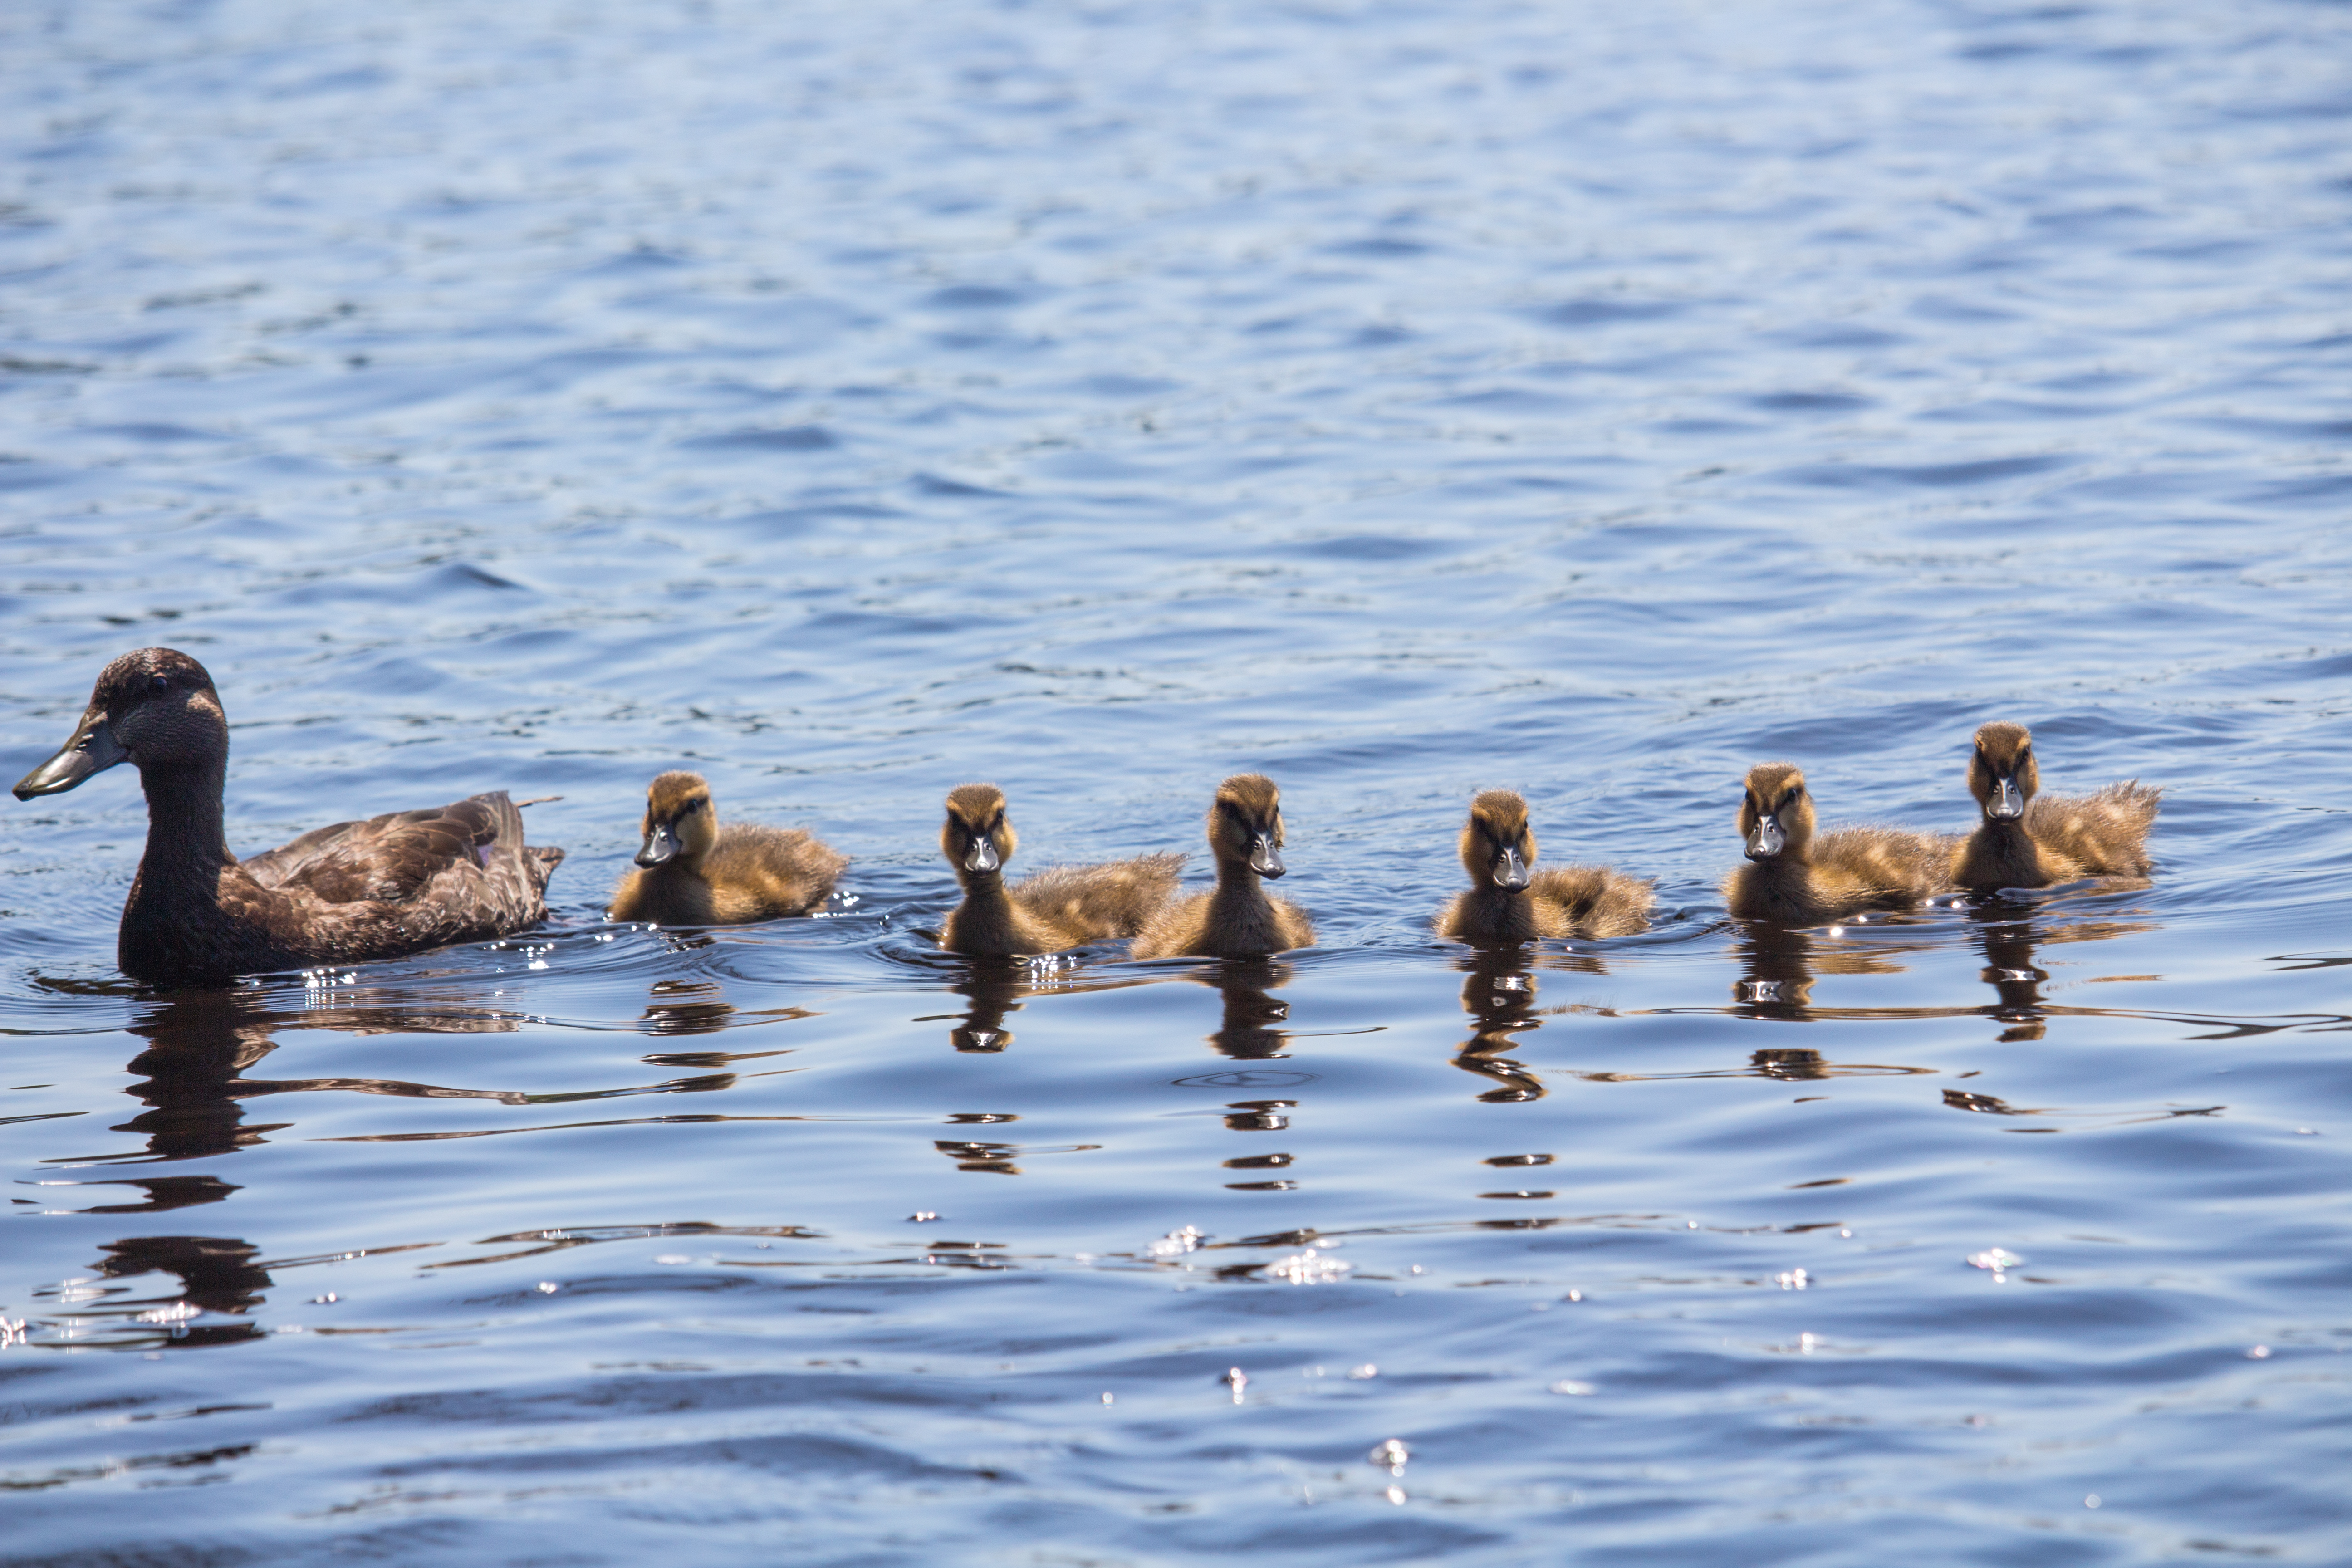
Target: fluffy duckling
[(1238, 919), (2030, 841), (693, 872), (1796, 879), (1509, 903), (384, 887), (1058, 908)]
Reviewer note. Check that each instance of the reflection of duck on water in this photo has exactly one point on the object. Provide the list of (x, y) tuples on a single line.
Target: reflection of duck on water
[(2006, 939), (1251, 1009), (1499, 994), (999, 986), (216, 1275), (1778, 965)]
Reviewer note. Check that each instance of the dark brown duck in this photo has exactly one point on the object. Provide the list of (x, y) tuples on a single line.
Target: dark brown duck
[(395, 884)]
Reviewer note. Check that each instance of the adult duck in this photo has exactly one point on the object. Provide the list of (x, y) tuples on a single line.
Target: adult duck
[(358, 891), (693, 872), (1238, 917), (2029, 840), (1797, 878), (1509, 901), (1061, 907)]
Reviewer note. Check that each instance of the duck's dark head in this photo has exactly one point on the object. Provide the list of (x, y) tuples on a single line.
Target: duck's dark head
[(976, 838), (1245, 824), (154, 708), (680, 822), (1776, 815), (2001, 774), (1497, 844)]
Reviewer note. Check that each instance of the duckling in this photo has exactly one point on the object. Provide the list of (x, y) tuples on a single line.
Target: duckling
[(2030, 841), (693, 872), (1238, 919), (1798, 879), (1507, 902), (1061, 907), (392, 885)]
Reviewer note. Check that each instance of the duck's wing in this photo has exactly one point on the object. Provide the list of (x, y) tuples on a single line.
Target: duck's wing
[(403, 854)]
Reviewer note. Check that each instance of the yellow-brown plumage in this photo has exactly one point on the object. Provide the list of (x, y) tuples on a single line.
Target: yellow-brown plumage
[(1797, 878), (692, 872), (2031, 841), (1237, 918), (1508, 902), (1061, 907)]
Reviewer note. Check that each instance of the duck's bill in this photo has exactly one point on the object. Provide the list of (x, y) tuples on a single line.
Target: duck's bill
[(1264, 859), (1510, 871), (1767, 840), (661, 845), (984, 856), (91, 752), (2008, 802)]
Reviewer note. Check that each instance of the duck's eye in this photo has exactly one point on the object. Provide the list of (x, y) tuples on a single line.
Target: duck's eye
[(159, 683)]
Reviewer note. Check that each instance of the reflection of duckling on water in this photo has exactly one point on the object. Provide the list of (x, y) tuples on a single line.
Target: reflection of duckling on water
[(1798, 879), (1239, 919), (693, 872), (1061, 907), (384, 887), (1507, 902), (1499, 995), (2030, 841)]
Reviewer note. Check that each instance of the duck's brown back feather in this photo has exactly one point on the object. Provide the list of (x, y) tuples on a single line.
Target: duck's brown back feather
[(349, 893)]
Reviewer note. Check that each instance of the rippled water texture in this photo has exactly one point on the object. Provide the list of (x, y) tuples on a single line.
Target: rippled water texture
[(850, 401)]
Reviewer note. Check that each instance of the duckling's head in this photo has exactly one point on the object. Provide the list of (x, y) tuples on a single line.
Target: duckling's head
[(154, 708), (1245, 824), (977, 839), (2001, 774), (1498, 843), (680, 822), (1776, 817)]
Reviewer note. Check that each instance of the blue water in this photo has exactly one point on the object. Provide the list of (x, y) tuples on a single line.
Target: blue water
[(850, 402)]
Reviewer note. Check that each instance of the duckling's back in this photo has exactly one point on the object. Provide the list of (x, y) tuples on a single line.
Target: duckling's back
[(1883, 864), (1089, 903), (757, 872), (1594, 900), (2104, 835)]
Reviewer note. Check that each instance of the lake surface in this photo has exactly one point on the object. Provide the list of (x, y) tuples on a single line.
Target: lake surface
[(852, 401)]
